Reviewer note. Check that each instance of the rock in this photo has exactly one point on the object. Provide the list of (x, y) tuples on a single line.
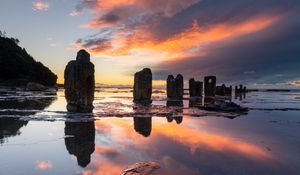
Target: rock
[(175, 87), (195, 88), (142, 89), (210, 86), (80, 83), (241, 89), (224, 107), (223, 90), (141, 168), (31, 86)]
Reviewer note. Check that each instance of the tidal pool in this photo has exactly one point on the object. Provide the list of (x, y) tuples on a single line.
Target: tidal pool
[(38, 135)]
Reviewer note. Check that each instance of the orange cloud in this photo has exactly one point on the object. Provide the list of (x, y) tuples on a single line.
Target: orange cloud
[(109, 12), (40, 5), (168, 7), (43, 165), (141, 40)]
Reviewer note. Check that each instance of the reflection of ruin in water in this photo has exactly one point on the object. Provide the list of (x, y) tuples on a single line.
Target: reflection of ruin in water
[(240, 96), (143, 125), (80, 140), (178, 104), (20, 103), (10, 127)]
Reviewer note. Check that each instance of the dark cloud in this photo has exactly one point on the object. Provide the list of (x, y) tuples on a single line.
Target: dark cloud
[(267, 56), (211, 12), (95, 45), (270, 56)]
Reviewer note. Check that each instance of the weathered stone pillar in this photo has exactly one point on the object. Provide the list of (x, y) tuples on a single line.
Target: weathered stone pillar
[(223, 90), (175, 87), (241, 89), (142, 89), (210, 86), (195, 88), (80, 83)]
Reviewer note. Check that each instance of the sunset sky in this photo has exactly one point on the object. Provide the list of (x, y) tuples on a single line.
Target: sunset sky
[(254, 42)]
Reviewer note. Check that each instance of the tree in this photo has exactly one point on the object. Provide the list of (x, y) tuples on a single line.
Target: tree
[(2, 34)]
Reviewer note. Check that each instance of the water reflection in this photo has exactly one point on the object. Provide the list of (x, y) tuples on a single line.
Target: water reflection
[(178, 104), (80, 140), (240, 96), (143, 125), (10, 127)]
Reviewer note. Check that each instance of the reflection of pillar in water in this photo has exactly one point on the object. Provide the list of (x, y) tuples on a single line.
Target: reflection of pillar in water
[(178, 103), (80, 140), (143, 125), (209, 100), (177, 111), (178, 119)]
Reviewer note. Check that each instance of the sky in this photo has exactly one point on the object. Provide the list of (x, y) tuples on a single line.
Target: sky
[(251, 42)]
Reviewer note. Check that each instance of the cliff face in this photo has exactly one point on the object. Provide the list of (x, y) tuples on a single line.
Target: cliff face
[(17, 67)]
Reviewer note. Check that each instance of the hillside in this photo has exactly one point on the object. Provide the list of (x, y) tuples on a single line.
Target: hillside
[(17, 67)]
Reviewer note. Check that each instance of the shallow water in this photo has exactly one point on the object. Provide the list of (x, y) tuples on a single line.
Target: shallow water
[(38, 136)]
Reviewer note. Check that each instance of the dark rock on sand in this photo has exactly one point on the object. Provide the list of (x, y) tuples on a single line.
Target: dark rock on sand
[(35, 87), (141, 168)]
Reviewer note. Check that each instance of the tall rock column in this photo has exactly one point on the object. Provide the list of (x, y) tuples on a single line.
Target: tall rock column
[(195, 88), (210, 86), (142, 89), (175, 87), (80, 83)]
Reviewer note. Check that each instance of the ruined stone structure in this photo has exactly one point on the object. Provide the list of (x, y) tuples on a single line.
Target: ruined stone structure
[(241, 89), (210, 86), (142, 89), (80, 83), (223, 90), (195, 88), (175, 87)]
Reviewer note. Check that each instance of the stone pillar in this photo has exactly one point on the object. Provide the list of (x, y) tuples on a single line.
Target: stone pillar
[(228, 91), (142, 89), (175, 87), (195, 88), (210, 86), (80, 83), (241, 89), (223, 90)]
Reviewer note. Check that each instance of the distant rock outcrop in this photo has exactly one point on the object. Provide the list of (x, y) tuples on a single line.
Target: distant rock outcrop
[(17, 67), (80, 83)]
